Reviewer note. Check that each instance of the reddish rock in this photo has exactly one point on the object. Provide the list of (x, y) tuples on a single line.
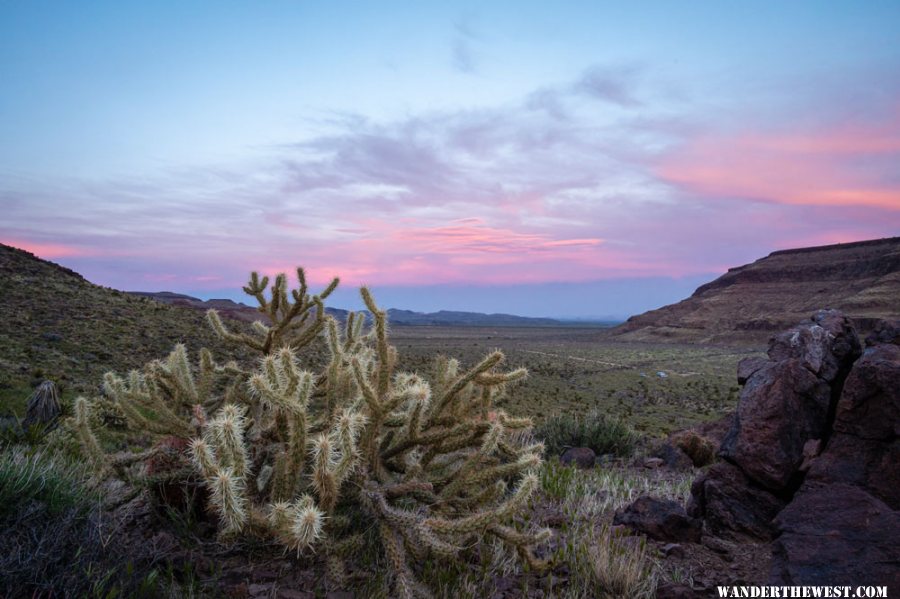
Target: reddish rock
[(836, 534), (885, 331), (582, 457), (827, 346), (842, 525), (811, 450), (660, 519), (747, 367), (782, 406), (731, 505), (869, 407), (872, 465), (786, 402)]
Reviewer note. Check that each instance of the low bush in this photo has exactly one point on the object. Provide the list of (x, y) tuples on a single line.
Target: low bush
[(601, 432), (700, 449)]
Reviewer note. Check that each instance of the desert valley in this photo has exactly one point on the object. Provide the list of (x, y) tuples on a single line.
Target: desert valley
[(660, 439)]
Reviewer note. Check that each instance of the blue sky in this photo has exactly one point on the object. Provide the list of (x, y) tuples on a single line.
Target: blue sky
[(456, 155)]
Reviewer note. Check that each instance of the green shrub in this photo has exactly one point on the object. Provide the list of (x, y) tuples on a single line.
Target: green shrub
[(599, 431)]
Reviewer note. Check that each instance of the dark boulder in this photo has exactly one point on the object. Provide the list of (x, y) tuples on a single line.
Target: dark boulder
[(673, 457), (836, 534), (869, 407), (885, 331), (842, 525), (660, 519), (582, 457), (731, 505), (872, 465)]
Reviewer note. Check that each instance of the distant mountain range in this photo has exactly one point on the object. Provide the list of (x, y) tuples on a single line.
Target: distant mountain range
[(396, 317), (749, 303)]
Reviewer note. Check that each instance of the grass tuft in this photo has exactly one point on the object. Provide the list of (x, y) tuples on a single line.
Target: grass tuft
[(34, 476)]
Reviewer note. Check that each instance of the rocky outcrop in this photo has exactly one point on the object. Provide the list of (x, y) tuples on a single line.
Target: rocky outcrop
[(784, 412), (750, 303), (836, 534), (812, 460), (788, 401), (870, 405), (844, 521), (811, 463)]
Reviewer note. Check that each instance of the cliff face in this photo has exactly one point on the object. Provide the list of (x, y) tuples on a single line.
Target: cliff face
[(749, 303)]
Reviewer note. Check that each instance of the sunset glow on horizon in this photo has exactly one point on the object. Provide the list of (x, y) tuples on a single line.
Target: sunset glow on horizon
[(442, 151)]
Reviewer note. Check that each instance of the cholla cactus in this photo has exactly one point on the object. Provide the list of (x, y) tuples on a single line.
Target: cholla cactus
[(292, 454)]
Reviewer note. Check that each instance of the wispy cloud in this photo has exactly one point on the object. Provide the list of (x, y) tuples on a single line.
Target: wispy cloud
[(463, 47), (829, 164), (614, 84)]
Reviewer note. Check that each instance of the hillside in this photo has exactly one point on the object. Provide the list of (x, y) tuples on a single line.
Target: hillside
[(749, 303), (57, 325)]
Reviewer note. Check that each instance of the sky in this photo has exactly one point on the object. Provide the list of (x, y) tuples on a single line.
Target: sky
[(566, 159)]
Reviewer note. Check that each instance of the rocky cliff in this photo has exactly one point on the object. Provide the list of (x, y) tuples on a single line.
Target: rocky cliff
[(749, 303)]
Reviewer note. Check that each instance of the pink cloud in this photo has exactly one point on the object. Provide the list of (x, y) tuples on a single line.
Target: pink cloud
[(837, 165), (49, 251), (466, 250)]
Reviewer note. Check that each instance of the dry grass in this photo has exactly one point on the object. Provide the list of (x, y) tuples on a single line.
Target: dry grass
[(591, 559), (605, 564)]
